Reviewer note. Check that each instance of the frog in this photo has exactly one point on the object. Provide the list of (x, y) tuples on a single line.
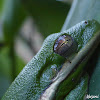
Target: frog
[(40, 73)]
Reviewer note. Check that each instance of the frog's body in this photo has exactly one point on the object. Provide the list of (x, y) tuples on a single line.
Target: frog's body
[(35, 77)]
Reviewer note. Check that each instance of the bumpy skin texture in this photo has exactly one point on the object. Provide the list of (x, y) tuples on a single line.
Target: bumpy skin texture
[(36, 75)]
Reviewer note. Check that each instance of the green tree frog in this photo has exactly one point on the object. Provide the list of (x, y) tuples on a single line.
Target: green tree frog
[(38, 74)]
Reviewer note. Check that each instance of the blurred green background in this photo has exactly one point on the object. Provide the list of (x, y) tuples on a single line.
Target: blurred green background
[(24, 24)]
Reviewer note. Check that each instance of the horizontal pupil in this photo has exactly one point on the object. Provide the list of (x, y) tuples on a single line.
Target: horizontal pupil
[(64, 43)]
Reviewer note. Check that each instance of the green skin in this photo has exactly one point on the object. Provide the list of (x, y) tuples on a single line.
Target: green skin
[(38, 73)]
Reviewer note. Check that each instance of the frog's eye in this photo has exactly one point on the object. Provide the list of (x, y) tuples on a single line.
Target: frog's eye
[(65, 45)]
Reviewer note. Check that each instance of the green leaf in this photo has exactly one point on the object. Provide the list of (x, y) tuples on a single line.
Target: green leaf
[(82, 10)]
